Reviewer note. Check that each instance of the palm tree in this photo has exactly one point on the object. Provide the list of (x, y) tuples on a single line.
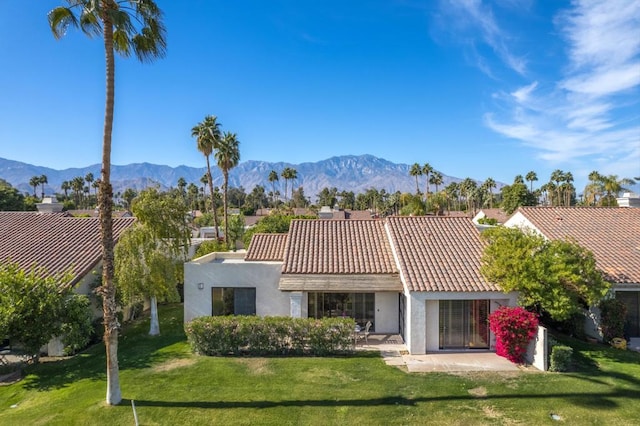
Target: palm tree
[(531, 177), (125, 26), (289, 174), (436, 179), (567, 188), (488, 185), (273, 178), (34, 182), (557, 176), (43, 181), (427, 170), (207, 134), (612, 187), (77, 184), (65, 186), (227, 156), (415, 171)]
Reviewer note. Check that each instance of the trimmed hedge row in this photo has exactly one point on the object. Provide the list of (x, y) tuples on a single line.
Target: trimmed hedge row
[(260, 336)]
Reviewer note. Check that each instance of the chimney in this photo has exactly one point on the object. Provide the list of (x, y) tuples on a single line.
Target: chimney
[(49, 205)]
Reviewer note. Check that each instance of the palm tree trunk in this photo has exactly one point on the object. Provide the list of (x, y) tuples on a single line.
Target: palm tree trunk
[(225, 172), (213, 200), (107, 290)]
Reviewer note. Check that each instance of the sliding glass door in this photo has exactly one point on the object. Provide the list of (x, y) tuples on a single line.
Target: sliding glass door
[(464, 324), (359, 306)]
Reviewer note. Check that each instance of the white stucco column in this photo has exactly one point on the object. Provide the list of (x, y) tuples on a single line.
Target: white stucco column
[(416, 324), (295, 300)]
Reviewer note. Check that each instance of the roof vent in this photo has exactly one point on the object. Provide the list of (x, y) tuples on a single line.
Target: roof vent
[(49, 205)]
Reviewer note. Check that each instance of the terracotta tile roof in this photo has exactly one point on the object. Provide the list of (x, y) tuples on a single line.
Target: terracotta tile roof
[(266, 247), (612, 234), (439, 253), (56, 242), (358, 214), (338, 247), (496, 214)]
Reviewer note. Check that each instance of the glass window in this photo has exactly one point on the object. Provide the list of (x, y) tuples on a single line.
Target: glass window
[(359, 306), (233, 301)]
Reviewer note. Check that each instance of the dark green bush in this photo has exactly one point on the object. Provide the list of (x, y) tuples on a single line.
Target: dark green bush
[(210, 246), (270, 336), (560, 358), (612, 315), (77, 327)]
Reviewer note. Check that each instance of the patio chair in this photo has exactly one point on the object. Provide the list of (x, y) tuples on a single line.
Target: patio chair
[(364, 334)]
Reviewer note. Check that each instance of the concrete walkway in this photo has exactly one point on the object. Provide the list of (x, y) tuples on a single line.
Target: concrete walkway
[(395, 353)]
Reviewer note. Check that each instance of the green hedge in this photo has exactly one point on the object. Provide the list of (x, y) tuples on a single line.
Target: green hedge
[(560, 358), (270, 336)]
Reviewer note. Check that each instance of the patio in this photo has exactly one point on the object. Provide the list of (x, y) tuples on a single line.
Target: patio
[(394, 352)]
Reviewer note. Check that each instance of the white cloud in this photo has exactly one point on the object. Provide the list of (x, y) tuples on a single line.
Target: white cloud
[(478, 17), (590, 114)]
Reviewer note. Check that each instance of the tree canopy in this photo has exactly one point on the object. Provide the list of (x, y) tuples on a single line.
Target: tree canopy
[(558, 276)]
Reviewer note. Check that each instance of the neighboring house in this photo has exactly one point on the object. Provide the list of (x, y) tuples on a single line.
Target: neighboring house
[(416, 276), (612, 234), (56, 241), (497, 214)]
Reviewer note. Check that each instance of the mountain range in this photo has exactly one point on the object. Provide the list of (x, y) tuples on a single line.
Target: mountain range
[(355, 173)]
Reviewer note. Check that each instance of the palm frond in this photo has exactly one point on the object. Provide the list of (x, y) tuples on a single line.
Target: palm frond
[(59, 20), (90, 24)]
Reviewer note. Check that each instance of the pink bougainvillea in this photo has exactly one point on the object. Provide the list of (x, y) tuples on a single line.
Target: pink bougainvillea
[(514, 328)]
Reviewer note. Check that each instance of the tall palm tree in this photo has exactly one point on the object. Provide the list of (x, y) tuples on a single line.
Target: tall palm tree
[(273, 178), (77, 184), (557, 176), (43, 181), (427, 170), (415, 171), (488, 185), (34, 182), (89, 178), (289, 174), (531, 177), (227, 156), (65, 186), (207, 134), (436, 179), (126, 26)]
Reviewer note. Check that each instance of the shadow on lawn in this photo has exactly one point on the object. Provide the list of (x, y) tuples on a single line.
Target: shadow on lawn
[(593, 400), (136, 350)]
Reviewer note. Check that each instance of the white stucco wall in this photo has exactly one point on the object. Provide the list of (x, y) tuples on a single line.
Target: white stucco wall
[(423, 316), (229, 270)]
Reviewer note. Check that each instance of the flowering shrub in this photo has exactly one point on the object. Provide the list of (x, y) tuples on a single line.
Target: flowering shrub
[(514, 328)]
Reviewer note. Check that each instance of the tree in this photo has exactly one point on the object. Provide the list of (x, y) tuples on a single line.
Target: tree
[(89, 179), (43, 181), (289, 174), (415, 171), (516, 195), (273, 178), (427, 170), (10, 198), (34, 182), (208, 135), (31, 305), (328, 197), (558, 276), (227, 156), (126, 27), (612, 186), (77, 185), (65, 186), (146, 255), (235, 229), (488, 186), (436, 179), (531, 177)]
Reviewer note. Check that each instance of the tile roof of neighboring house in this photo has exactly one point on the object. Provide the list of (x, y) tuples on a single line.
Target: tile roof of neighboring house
[(612, 234), (56, 242), (266, 247), (358, 214), (497, 214), (439, 253), (338, 247)]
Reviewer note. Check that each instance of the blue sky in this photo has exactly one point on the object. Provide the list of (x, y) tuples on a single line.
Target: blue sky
[(476, 88)]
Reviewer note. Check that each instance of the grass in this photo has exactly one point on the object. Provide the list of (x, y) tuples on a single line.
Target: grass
[(171, 386)]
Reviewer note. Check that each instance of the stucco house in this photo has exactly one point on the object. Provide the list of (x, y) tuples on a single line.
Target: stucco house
[(416, 276), (612, 234), (56, 242)]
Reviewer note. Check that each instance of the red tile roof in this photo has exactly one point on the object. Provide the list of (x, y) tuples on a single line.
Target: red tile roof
[(338, 247), (439, 253), (498, 214), (56, 242), (266, 247), (612, 234)]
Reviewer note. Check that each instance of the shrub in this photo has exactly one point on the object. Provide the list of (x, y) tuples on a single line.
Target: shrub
[(260, 336), (612, 315), (514, 328), (77, 327), (560, 358), (210, 246)]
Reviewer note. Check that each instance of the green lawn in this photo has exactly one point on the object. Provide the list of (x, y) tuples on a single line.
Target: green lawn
[(171, 386)]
